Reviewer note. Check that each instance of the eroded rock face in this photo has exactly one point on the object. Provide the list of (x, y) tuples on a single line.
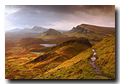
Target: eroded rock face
[(80, 30)]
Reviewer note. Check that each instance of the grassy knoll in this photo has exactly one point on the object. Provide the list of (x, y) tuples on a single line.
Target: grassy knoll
[(51, 34)]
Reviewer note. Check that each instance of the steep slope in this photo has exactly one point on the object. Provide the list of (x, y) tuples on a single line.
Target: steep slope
[(51, 34), (61, 52), (106, 56), (78, 67), (93, 33), (98, 29)]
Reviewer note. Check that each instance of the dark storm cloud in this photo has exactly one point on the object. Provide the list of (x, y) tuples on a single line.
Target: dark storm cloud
[(44, 15), (31, 15), (71, 9), (100, 9)]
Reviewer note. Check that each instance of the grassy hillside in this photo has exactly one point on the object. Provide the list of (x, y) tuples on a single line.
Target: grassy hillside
[(26, 59), (51, 34), (106, 56), (64, 51), (30, 65), (98, 29), (93, 33), (78, 67)]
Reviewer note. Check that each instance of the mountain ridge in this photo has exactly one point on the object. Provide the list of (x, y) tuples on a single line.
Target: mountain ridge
[(35, 29), (86, 28), (98, 29), (92, 32), (16, 30)]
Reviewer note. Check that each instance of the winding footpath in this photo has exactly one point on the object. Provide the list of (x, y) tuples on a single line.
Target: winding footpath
[(95, 68)]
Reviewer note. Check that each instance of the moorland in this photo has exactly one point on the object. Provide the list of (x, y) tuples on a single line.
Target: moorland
[(70, 58)]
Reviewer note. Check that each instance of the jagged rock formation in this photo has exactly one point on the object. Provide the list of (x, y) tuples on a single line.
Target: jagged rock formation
[(93, 33), (79, 30)]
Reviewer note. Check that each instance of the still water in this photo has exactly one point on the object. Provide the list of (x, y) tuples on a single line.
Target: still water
[(48, 45)]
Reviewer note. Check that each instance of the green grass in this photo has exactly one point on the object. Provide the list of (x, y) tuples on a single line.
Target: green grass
[(88, 59), (79, 68), (106, 55)]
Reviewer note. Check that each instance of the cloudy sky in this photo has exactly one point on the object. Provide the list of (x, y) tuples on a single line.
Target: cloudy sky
[(63, 17)]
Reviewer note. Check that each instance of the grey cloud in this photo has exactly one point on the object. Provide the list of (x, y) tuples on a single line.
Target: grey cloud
[(48, 14), (32, 17), (70, 9)]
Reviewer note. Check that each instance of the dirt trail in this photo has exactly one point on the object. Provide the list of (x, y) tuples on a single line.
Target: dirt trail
[(95, 68)]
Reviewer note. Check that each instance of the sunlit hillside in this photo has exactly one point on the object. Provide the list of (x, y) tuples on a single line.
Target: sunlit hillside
[(30, 64), (78, 67), (92, 32), (59, 42)]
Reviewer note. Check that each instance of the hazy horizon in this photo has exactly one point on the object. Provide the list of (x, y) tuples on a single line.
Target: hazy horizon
[(59, 17)]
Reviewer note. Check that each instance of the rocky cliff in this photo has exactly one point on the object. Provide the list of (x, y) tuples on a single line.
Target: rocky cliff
[(80, 30)]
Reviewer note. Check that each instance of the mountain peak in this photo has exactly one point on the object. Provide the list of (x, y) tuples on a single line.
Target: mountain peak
[(78, 30), (38, 28), (51, 29), (50, 34)]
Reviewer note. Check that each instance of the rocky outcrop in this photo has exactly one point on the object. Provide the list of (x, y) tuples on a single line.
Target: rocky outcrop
[(80, 30)]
